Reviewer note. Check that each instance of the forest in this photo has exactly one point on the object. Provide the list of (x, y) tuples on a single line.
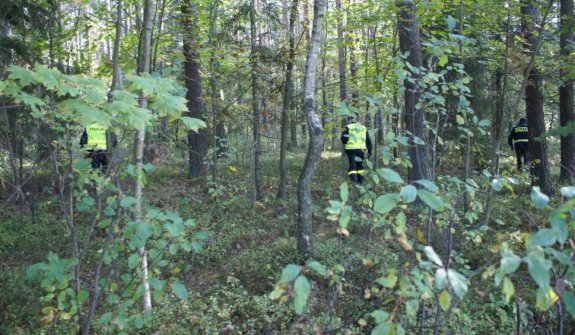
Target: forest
[(320, 167)]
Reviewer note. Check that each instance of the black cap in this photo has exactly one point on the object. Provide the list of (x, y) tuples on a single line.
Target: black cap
[(523, 120)]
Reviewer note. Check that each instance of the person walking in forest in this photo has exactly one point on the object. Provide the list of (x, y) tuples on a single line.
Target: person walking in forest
[(518, 140), (355, 139), (94, 139)]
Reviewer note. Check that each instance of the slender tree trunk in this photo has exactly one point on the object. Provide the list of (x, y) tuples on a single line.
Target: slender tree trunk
[(197, 141), (566, 92), (139, 150), (256, 182), (287, 100), (414, 117), (305, 245), (341, 57), (534, 103)]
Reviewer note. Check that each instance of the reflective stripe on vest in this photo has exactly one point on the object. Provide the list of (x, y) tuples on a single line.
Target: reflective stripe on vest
[(96, 136), (521, 132), (357, 134)]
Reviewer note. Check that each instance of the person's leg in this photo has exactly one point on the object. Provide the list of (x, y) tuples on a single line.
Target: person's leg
[(359, 166), (352, 172), (519, 156), (96, 159)]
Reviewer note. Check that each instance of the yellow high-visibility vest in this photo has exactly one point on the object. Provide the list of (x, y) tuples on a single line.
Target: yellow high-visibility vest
[(96, 136), (357, 134)]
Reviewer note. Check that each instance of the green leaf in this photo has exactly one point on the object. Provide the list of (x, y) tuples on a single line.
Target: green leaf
[(411, 308), (544, 237), (168, 105), (133, 260), (179, 290), (497, 184), (379, 316), (82, 296), (302, 289), (458, 283), (429, 185), (318, 267), (409, 193), (431, 200), (344, 192), (385, 328), (538, 268), (443, 59), (450, 23), (390, 175), (569, 300), (508, 289), (389, 281), (430, 253), (141, 83), (104, 318), (440, 277), (385, 203), (345, 217), (568, 191), (127, 202), (193, 123), (289, 273), (444, 300), (539, 199), (559, 227), (509, 264), (25, 77), (276, 293)]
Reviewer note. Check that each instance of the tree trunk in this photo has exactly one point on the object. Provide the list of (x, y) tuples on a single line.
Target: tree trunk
[(414, 117), (313, 156), (566, 114), (341, 58), (144, 67), (256, 182), (287, 100), (197, 141), (534, 103)]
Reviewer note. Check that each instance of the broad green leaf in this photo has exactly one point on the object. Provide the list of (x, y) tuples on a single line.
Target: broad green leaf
[(546, 297), (450, 22), (385, 328), (345, 217), (385, 203), (83, 294), (443, 59), (509, 264), (429, 185), (569, 300), (379, 316), (302, 289), (430, 253), (169, 105), (104, 318), (560, 228), (411, 308), (508, 289), (444, 300), (127, 202), (141, 83), (133, 260), (276, 293), (390, 175), (344, 192), (458, 283), (539, 199), (193, 123), (389, 281), (459, 119), (440, 277), (544, 237), (25, 77), (409, 193), (289, 273), (431, 200), (317, 267), (568, 191), (538, 268), (179, 290), (497, 184)]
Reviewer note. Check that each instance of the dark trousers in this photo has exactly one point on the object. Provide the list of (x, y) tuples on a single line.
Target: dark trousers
[(355, 158), (99, 159), (522, 154)]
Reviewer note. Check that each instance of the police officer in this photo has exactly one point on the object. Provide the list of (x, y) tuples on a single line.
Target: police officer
[(94, 138), (356, 140), (518, 140)]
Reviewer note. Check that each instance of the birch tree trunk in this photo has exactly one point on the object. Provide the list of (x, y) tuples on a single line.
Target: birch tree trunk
[(414, 117), (566, 114), (305, 245), (143, 67)]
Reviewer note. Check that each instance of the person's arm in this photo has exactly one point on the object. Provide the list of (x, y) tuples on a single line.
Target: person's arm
[(510, 137), (345, 136), (83, 139)]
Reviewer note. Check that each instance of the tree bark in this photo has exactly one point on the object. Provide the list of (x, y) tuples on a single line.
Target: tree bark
[(414, 117), (566, 114), (534, 103), (287, 100), (305, 245), (144, 67), (341, 57), (197, 141), (256, 182)]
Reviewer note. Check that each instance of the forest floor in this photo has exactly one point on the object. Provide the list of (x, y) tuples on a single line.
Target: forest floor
[(249, 244)]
